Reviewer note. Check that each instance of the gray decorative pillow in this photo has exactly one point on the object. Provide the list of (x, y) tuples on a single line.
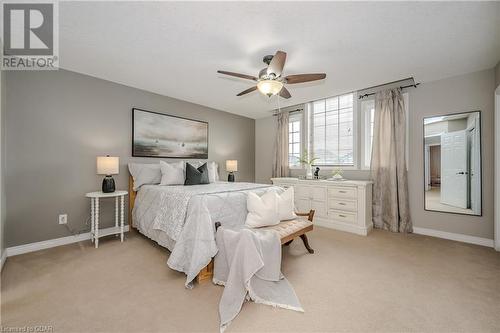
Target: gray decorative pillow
[(145, 174), (196, 176)]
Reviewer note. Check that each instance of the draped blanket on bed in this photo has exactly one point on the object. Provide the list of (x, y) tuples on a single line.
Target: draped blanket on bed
[(187, 214)]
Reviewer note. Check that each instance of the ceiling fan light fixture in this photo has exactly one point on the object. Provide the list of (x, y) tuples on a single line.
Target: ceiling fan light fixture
[(270, 87)]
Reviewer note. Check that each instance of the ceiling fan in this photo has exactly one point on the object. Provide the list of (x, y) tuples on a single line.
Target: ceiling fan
[(271, 81)]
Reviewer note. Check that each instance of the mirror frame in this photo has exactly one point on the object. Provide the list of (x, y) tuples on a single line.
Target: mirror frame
[(480, 158)]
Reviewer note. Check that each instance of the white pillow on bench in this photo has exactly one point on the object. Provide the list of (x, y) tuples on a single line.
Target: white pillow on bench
[(262, 211), (286, 205)]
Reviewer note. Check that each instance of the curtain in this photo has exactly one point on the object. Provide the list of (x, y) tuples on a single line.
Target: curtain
[(280, 161), (391, 209)]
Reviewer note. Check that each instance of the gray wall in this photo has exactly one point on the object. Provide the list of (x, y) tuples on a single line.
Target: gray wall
[(497, 75), (2, 162), (265, 131), (59, 121), (469, 92)]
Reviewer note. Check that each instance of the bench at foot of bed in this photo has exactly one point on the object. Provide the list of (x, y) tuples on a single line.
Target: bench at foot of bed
[(288, 231)]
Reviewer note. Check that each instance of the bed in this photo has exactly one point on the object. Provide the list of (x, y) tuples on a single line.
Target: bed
[(182, 219)]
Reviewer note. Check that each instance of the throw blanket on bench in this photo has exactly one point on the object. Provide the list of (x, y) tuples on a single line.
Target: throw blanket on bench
[(248, 264)]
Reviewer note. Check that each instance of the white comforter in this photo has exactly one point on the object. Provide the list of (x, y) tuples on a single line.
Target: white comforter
[(187, 214)]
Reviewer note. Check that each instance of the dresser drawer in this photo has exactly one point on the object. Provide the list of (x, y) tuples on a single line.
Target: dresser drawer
[(343, 192), (342, 204), (342, 216)]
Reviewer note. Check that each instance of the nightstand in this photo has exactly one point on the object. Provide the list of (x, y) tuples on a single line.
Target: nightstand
[(94, 215)]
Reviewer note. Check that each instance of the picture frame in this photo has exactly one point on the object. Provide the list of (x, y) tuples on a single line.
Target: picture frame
[(161, 135)]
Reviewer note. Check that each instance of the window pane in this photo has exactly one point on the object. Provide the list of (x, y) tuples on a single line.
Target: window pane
[(319, 119), (332, 104), (294, 146), (332, 127), (319, 106), (332, 117), (345, 101)]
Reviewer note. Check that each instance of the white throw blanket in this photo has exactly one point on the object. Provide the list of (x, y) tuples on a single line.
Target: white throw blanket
[(248, 264)]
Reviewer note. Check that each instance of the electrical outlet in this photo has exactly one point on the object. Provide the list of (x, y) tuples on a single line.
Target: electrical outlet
[(63, 218)]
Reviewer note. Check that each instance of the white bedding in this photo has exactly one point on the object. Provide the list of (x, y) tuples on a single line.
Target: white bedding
[(182, 218)]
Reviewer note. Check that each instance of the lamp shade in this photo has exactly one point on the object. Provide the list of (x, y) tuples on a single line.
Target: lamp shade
[(269, 87), (231, 165), (108, 165)]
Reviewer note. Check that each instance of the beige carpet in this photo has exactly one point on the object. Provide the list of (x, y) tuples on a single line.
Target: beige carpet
[(385, 282)]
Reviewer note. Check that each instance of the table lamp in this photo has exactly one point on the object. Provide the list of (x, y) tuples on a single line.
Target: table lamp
[(108, 165), (231, 167)]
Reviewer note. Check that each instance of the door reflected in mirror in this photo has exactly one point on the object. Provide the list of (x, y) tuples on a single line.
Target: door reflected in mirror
[(452, 163)]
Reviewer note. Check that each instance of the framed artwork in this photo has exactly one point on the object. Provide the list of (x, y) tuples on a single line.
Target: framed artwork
[(161, 135)]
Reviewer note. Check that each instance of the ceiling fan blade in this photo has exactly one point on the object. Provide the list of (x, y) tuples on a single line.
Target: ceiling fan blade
[(277, 63), (299, 78), (285, 93), (242, 76), (247, 91)]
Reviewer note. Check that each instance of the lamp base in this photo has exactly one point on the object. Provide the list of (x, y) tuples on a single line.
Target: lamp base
[(230, 177), (108, 184)]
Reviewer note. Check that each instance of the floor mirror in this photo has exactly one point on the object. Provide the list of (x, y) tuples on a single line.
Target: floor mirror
[(452, 163)]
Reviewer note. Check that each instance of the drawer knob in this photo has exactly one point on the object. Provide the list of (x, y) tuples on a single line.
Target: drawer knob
[(342, 192), (342, 215), (341, 203)]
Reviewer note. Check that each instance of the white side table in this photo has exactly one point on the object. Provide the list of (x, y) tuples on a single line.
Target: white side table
[(94, 214)]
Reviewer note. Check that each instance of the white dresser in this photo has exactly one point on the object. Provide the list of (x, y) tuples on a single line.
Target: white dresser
[(343, 205)]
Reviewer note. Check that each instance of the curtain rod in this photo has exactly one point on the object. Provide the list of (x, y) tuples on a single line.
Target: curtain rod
[(402, 87), (291, 111)]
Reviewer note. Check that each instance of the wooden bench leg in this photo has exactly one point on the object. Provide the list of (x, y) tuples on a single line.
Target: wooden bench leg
[(306, 243)]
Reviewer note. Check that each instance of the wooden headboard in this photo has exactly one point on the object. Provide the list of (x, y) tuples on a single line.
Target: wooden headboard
[(131, 200)]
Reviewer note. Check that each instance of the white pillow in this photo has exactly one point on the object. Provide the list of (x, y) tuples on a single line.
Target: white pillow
[(172, 173), (145, 174), (262, 211), (286, 206)]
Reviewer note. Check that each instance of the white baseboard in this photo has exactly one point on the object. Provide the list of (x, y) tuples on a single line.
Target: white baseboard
[(3, 257), (456, 237), (342, 226), (25, 248)]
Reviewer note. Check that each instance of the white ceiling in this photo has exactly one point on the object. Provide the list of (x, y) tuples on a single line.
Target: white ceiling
[(175, 49)]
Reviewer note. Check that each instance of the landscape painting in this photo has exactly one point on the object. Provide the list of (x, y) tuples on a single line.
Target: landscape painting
[(160, 135)]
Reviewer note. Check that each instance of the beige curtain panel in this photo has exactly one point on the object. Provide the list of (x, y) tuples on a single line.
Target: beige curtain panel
[(280, 162), (391, 208)]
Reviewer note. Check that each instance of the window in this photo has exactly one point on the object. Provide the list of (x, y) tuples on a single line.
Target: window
[(332, 131), (294, 142)]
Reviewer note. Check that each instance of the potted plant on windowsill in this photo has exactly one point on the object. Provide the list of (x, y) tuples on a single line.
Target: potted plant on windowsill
[(308, 163)]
